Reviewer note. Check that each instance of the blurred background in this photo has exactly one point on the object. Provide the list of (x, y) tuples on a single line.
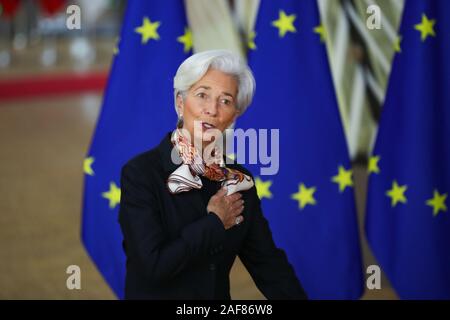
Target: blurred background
[(51, 85)]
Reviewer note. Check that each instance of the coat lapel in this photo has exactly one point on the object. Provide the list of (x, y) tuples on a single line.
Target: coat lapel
[(191, 201)]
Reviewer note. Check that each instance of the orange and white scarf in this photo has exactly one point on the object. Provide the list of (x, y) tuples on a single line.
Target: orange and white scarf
[(187, 176)]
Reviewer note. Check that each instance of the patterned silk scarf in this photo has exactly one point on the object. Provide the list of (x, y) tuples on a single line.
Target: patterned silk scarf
[(187, 176)]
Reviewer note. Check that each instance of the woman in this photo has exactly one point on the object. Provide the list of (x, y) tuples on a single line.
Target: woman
[(184, 214)]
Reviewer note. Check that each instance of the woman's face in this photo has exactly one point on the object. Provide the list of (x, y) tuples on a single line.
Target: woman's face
[(210, 104)]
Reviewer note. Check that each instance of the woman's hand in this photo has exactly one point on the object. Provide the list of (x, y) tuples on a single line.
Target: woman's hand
[(227, 208)]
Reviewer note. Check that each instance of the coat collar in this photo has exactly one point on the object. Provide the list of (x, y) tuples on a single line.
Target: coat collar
[(180, 178), (165, 148), (192, 199)]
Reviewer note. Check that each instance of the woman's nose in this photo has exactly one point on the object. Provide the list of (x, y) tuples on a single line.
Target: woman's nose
[(211, 108)]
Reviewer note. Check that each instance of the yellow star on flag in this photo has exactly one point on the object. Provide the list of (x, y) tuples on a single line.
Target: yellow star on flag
[(148, 30), (397, 47), (251, 41), (397, 193), (263, 188), (320, 29), (87, 166), (373, 164), (437, 202), (304, 196), (425, 27), (113, 195), (285, 23), (232, 156), (186, 40), (116, 47), (343, 178)]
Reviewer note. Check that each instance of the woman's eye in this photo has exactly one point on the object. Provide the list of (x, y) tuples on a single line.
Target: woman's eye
[(201, 95), (226, 102)]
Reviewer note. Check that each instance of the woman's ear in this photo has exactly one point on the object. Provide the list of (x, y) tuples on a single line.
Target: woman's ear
[(180, 105)]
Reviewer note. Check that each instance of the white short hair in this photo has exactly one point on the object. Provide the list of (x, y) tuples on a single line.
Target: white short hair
[(194, 68)]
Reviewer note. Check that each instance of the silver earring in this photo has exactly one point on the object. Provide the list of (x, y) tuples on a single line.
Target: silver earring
[(180, 121)]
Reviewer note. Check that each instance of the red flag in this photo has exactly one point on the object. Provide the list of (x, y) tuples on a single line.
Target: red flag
[(50, 7), (9, 7)]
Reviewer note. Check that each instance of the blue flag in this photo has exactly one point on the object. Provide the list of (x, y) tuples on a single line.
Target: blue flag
[(408, 223), (309, 203), (138, 109)]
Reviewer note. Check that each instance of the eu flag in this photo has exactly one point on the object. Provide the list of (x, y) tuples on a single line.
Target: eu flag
[(138, 109), (408, 223), (309, 202)]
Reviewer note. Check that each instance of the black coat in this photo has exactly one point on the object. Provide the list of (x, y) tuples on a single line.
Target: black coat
[(176, 250)]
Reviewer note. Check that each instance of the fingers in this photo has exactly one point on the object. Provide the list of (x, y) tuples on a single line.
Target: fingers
[(231, 198), (237, 208), (233, 205), (234, 197), (237, 204), (234, 214), (219, 196), (222, 192)]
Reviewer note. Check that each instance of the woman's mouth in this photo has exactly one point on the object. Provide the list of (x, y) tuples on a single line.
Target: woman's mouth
[(206, 126)]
